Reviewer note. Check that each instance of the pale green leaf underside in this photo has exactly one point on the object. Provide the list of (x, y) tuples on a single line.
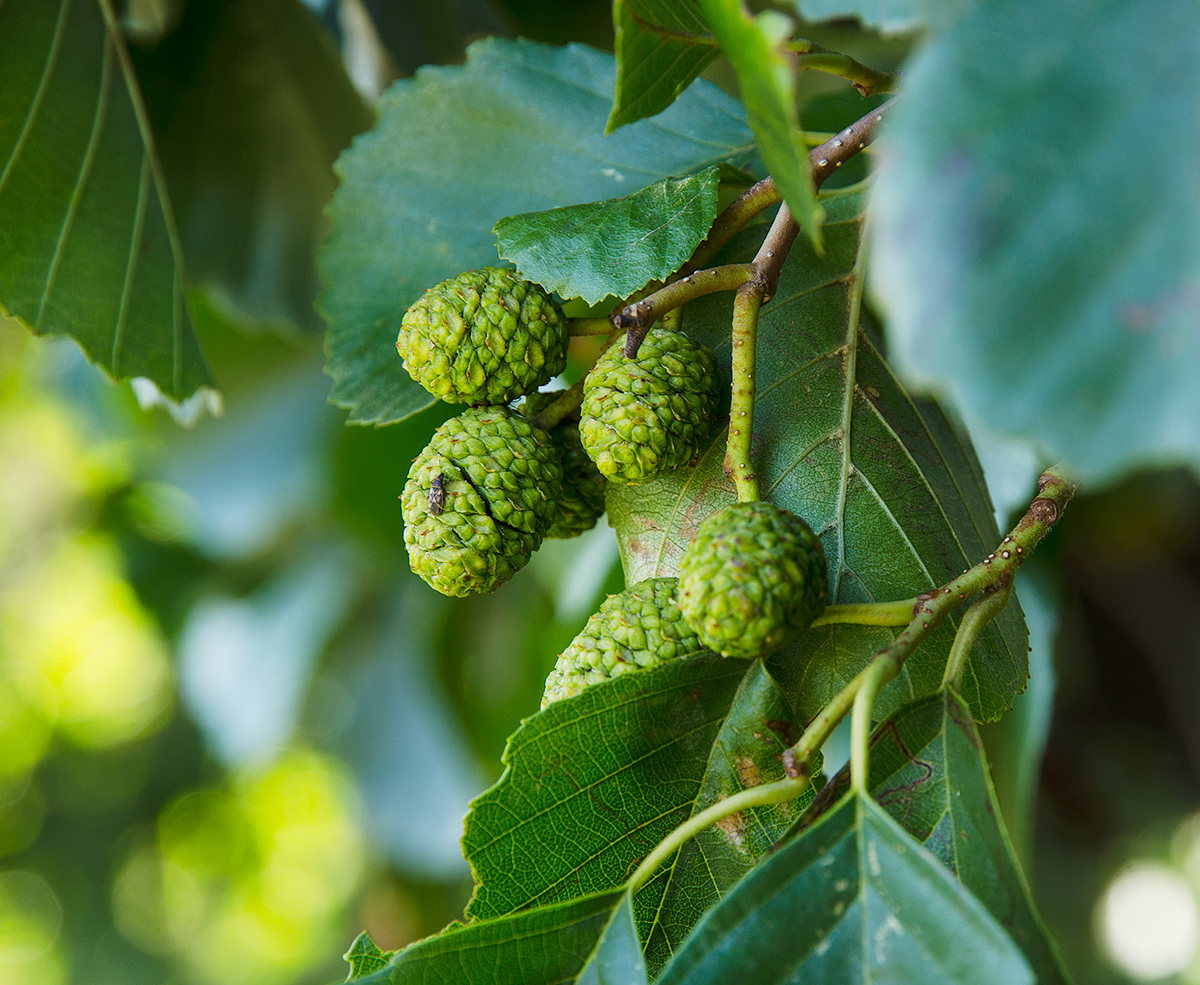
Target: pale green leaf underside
[(616, 247), (657, 57), (595, 782), (852, 900), (87, 245), (893, 490), (518, 128), (927, 771), (1038, 244)]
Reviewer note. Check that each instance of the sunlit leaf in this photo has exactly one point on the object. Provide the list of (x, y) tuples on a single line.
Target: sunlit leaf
[(518, 128), (891, 487), (595, 782), (1038, 245), (551, 944), (614, 247), (88, 246), (852, 900)]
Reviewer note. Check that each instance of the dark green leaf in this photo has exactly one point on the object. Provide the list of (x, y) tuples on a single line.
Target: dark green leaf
[(851, 900), (547, 945), (661, 46), (928, 772), (615, 247), (895, 493), (88, 246), (365, 957), (766, 75), (1038, 242), (617, 958), (595, 782), (518, 128), (250, 107)]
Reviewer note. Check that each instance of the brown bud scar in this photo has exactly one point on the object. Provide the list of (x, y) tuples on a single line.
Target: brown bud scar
[(1044, 511)]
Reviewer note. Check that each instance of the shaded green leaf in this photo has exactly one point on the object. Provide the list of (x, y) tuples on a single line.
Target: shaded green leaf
[(88, 246), (767, 78), (928, 772), (518, 128), (251, 106), (853, 899), (1038, 243), (551, 944), (616, 247), (594, 783), (661, 47), (893, 490)]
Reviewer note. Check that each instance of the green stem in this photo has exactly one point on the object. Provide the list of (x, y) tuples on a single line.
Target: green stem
[(865, 79), (798, 759), (561, 408), (588, 326), (639, 316), (869, 613), (884, 666), (739, 464), (974, 619), (778, 792), (930, 608), (755, 199)]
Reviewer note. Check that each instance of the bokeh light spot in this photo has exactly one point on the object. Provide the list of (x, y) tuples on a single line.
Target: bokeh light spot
[(1148, 921)]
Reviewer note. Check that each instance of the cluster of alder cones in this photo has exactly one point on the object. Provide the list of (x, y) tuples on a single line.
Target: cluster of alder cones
[(491, 483)]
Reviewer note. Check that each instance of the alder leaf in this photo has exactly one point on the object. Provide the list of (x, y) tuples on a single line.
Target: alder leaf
[(88, 245), (1038, 227), (891, 487), (595, 782), (550, 944), (616, 247), (661, 47), (852, 900), (519, 127), (928, 771)]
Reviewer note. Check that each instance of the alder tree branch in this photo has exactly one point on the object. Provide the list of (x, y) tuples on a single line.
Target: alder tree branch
[(993, 576), (693, 280)]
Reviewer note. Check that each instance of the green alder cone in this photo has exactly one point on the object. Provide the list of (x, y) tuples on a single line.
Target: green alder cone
[(640, 628), (752, 580), (479, 500), (483, 337), (581, 502), (649, 414)]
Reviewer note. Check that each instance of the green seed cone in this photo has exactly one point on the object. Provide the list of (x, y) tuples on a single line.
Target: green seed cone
[(636, 630), (479, 499), (649, 414), (752, 580), (483, 337), (581, 502)]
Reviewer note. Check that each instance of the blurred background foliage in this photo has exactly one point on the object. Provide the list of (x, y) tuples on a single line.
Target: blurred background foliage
[(235, 730)]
